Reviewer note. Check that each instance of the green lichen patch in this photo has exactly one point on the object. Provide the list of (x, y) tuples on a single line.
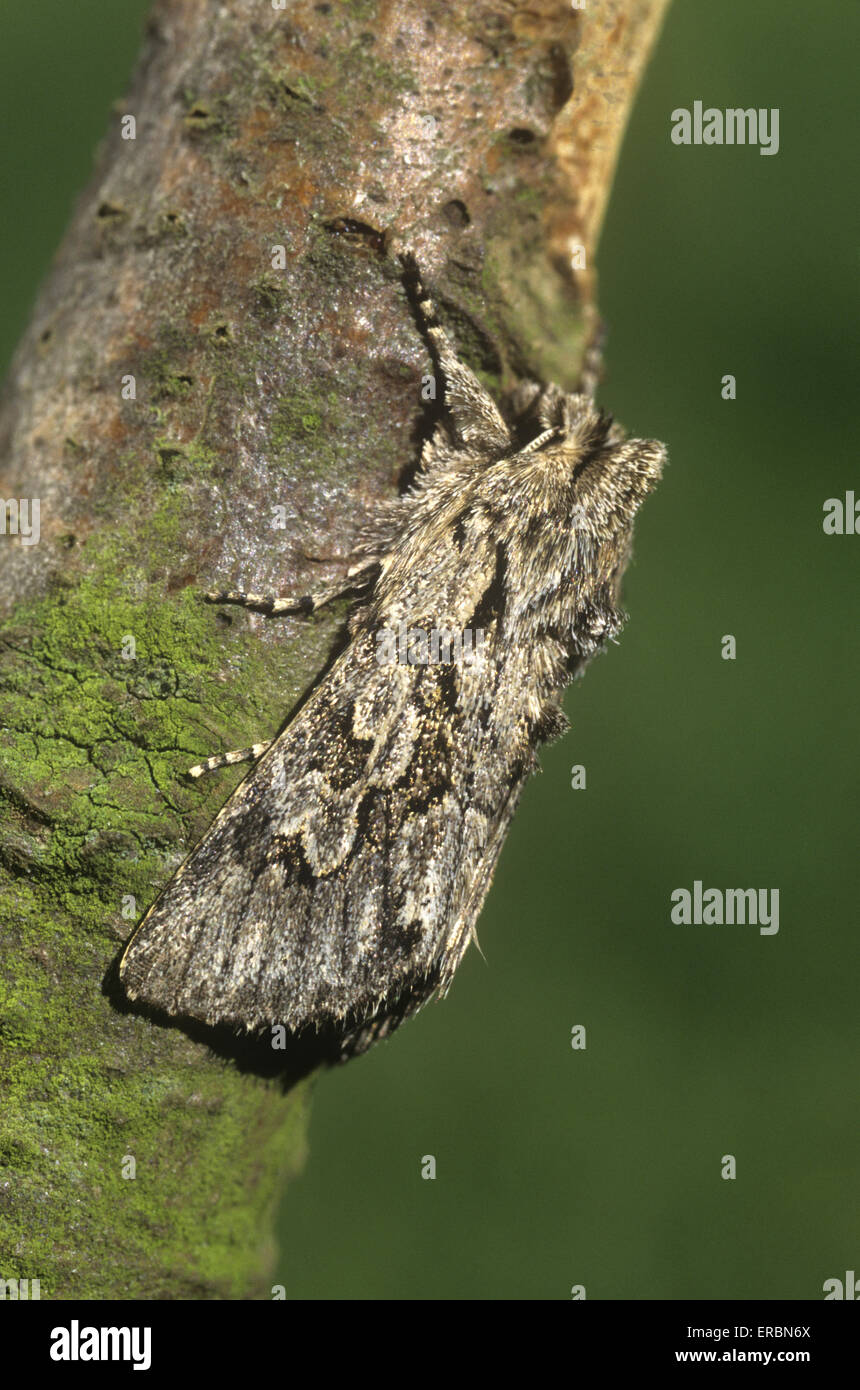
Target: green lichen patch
[(208, 116), (311, 422), (110, 688)]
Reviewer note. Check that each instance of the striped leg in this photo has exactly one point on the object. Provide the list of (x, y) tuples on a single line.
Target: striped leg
[(354, 578), (241, 755), (308, 603)]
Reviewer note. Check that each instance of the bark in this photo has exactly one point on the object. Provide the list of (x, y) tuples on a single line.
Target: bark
[(275, 399)]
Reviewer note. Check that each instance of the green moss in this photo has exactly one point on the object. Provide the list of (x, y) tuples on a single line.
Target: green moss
[(208, 116), (376, 74), (363, 10), (312, 416), (268, 296), (165, 381), (182, 462), (93, 811), (300, 85)]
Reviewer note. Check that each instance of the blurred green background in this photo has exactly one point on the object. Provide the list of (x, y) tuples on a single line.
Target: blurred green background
[(602, 1167)]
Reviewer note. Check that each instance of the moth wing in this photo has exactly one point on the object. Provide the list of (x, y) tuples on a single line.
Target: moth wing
[(343, 877), (423, 985)]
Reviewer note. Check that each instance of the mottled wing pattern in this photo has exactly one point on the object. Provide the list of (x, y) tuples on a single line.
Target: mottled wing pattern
[(346, 872)]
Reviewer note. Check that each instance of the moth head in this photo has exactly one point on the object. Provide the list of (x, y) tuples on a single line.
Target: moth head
[(581, 483), (592, 478)]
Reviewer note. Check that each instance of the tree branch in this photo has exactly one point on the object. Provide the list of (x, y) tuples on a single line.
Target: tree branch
[(221, 376)]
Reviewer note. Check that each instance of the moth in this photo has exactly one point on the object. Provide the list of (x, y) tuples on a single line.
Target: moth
[(341, 882)]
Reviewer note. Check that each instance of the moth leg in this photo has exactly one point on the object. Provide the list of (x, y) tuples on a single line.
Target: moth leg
[(240, 755), (354, 578), (473, 413)]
